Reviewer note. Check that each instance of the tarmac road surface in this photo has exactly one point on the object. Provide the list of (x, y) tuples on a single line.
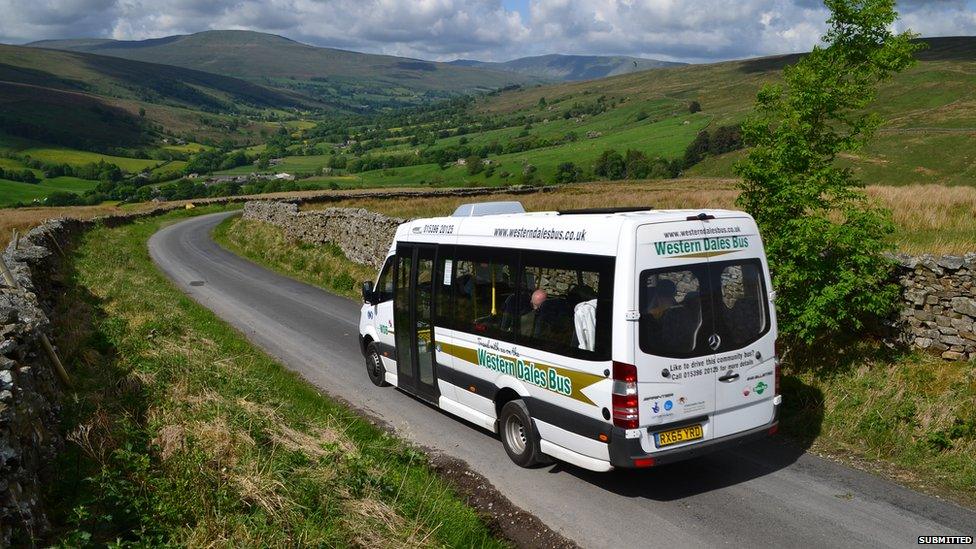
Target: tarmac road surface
[(766, 494)]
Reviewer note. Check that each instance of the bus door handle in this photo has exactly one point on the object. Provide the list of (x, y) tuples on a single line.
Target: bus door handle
[(728, 378)]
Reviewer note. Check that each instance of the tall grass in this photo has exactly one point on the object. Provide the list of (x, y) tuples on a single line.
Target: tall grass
[(930, 218)]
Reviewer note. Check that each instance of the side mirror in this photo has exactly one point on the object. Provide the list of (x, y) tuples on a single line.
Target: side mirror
[(369, 296)]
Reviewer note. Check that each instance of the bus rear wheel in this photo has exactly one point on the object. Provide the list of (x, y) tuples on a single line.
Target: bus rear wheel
[(518, 434), (374, 366)]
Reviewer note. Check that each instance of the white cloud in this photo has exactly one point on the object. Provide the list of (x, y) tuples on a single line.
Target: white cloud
[(701, 30)]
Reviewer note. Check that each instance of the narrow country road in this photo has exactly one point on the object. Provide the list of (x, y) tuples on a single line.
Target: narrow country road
[(769, 494)]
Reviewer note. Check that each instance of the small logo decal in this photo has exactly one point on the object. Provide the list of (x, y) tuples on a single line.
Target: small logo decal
[(760, 387), (745, 392), (714, 341), (655, 408), (668, 404)]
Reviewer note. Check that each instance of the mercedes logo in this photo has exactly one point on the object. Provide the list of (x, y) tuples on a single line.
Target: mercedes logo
[(714, 341)]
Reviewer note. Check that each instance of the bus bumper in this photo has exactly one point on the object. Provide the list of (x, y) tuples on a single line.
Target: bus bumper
[(628, 453)]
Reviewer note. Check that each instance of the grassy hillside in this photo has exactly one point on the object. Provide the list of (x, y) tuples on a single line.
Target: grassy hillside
[(571, 67), (929, 137), (127, 79), (344, 77), (526, 134), (101, 103)]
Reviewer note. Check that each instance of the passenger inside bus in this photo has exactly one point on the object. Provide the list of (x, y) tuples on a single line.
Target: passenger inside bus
[(529, 319), (673, 325), (547, 308)]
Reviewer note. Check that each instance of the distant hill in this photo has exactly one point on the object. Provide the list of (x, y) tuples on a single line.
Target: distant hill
[(569, 68), (123, 78), (354, 78), (93, 102)]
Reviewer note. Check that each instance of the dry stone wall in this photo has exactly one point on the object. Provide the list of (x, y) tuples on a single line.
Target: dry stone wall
[(362, 235), (29, 390), (939, 311)]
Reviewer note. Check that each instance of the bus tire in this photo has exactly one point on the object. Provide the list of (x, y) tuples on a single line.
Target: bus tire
[(374, 366), (518, 434)]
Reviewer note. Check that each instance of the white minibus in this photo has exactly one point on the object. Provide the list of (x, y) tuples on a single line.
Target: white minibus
[(619, 337)]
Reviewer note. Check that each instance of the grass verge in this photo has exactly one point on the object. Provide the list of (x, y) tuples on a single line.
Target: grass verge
[(908, 417), (320, 265), (181, 433)]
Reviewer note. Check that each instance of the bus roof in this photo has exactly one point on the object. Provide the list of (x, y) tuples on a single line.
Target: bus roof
[(587, 233)]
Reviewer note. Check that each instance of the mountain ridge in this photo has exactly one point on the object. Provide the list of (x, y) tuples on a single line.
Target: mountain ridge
[(324, 73), (571, 68)]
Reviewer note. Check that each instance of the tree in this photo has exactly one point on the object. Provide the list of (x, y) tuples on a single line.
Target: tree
[(610, 165), (568, 172), (637, 164), (725, 139), (694, 107), (474, 165), (542, 103), (697, 149), (825, 240)]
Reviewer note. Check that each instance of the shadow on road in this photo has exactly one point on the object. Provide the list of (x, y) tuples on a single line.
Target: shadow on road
[(802, 416)]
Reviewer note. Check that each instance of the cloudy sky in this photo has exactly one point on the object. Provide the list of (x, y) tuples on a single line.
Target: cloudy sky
[(683, 30)]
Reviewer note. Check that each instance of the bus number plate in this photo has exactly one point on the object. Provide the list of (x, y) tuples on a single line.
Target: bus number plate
[(675, 436)]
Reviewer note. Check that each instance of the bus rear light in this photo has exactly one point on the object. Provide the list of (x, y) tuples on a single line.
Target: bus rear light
[(644, 462), (625, 401)]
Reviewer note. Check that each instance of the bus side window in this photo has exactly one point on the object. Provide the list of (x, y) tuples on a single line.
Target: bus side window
[(564, 304), (481, 288), (444, 283), (384, 285)]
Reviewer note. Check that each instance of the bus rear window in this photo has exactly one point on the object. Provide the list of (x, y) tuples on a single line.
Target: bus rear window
[(682, 307), (673, 314)]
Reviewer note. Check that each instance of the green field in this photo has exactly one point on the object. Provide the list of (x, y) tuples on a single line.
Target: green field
[(12, 192), (289, 164), (77, 158), (930, 110)]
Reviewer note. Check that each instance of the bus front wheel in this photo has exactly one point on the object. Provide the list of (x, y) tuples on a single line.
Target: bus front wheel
[(518, 434), (374, 366)]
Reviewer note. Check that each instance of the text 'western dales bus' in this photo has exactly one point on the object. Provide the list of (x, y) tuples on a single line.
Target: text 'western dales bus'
[(604, 338)]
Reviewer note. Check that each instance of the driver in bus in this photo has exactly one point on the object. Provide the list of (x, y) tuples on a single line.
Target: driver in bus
[(664, 299), (527, 321)]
